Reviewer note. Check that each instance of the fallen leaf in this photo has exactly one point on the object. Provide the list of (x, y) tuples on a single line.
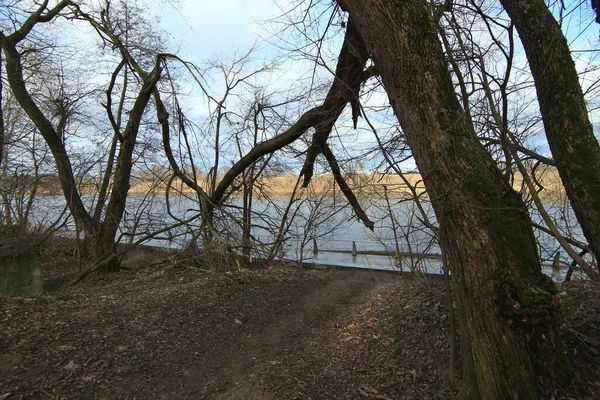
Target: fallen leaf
[(351, 337), (71, 366)]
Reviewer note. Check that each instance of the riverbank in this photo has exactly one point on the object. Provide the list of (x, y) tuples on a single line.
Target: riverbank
[(204, 328)]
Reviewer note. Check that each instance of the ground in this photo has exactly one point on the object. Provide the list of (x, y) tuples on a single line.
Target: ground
[(182, 330)]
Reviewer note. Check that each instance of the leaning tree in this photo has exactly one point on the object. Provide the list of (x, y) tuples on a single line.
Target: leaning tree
[(509, 309)]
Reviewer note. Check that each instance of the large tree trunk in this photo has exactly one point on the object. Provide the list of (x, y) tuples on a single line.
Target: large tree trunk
[(14, 73), (570, 135), (508, 307), (2, 133), (104, 250)]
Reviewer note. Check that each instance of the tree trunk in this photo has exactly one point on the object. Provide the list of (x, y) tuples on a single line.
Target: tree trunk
[(2, 133), (508, 307), (570, 135), (14, 74), (248, 187), (103, 248)]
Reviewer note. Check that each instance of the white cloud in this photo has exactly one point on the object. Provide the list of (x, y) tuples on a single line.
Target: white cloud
[(204, 28)]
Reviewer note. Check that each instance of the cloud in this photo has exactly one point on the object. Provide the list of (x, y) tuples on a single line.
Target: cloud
[(204, 29)]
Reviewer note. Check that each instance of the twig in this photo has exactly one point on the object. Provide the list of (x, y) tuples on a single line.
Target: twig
[(588, 342), (41, 387), (594, 276), (101, 263), (387, 388)]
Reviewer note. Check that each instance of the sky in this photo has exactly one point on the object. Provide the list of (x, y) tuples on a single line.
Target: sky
[(201, 30), (204, 29)]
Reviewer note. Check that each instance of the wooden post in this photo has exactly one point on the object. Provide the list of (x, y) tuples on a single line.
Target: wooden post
[(315, 247), (354, 251)]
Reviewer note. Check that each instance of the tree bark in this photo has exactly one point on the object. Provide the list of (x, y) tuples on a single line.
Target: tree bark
[(2, 133), (574, 147), (349, 76), (14, 74), (104, 248), (508, 307)]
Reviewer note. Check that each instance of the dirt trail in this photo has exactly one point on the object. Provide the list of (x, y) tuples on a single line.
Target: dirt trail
[(175, 332), (300, 315)]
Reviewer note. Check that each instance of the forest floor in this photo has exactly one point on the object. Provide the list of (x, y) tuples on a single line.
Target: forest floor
[(179, 330)]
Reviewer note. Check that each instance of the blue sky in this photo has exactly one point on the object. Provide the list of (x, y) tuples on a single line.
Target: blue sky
[(205, 29)]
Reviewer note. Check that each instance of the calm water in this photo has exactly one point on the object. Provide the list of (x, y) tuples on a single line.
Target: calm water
[(324, 220)]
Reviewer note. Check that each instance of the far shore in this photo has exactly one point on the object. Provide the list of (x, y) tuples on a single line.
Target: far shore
[(283, 185), (361, 183)]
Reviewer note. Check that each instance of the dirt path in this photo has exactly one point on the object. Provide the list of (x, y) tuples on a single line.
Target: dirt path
[(300, 316), (169, 332)]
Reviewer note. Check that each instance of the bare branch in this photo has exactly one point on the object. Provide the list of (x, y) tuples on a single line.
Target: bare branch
[(343, 185)]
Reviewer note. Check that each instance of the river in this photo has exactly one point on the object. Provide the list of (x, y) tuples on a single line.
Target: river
[(324, 221)]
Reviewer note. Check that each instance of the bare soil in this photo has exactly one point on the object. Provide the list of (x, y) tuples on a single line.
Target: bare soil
[(180, 330)]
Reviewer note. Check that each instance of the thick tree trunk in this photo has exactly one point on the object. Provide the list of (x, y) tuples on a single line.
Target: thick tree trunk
[(2, 133), (508, 307), (570, 135), (103, 248), (14, 73)]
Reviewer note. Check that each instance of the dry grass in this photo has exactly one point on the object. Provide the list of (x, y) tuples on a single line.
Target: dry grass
[(320, 184), (361, 183)]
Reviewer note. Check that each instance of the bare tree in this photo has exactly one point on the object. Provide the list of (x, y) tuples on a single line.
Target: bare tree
[(491, 92), (100, 232)]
